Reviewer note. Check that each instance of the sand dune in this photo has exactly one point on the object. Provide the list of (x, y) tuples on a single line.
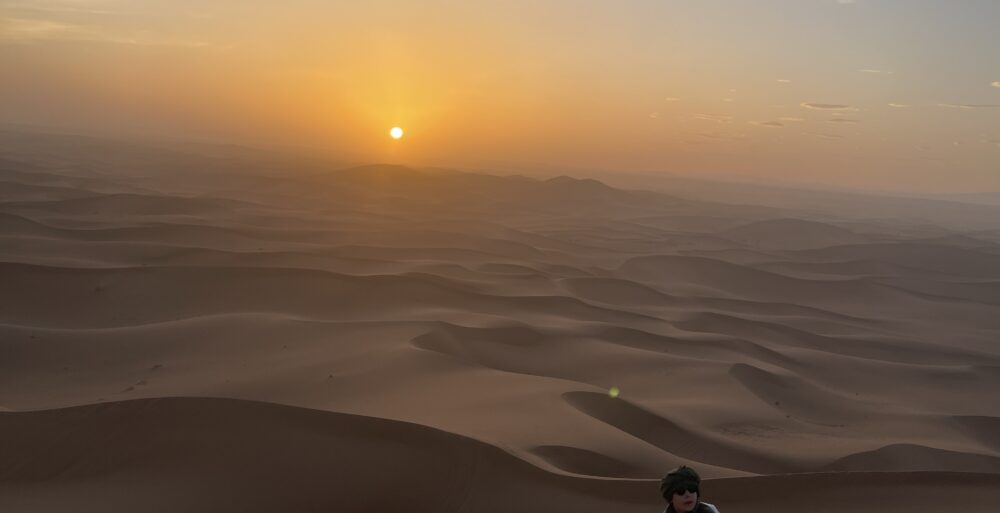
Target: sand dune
[(56, 175), (914, 457), (985, 430), (239, 456), (684, 442), (180, 292), (863, 492), (129, 205), (230, 455), (294, 335), (793, 234), (872, 347), (848, 269), (794, 396), (616, 291), (22, 192), (937, 258), (17, 225), (693, 275), (588, 463)]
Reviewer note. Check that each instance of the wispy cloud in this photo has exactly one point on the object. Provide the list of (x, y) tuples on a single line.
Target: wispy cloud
[(27, 29), (768, 124), (58, 9), (654, 115), (783, 81), (32, 30), (898, 105), (826, 106), (793, 120), (996, 84), (717, 135), (969, 106), (714, 118), (824, 136), (844, 120)]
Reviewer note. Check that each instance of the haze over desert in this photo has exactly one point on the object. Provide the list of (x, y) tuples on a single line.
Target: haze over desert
[(722, 256), (381, 336)]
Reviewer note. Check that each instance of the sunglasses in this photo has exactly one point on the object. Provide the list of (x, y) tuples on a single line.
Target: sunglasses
[(684, 489)]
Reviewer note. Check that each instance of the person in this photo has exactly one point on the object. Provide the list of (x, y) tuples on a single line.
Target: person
[(681, 488)]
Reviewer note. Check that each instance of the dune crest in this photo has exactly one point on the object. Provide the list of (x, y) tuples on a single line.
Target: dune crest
[(294, 335)]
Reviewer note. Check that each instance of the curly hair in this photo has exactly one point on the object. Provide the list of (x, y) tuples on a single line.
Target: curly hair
[(678, 478)]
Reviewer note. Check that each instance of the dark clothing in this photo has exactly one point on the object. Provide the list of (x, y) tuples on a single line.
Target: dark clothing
[(702, 507)]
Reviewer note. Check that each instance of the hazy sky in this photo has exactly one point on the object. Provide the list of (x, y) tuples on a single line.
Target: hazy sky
[(893, 94)]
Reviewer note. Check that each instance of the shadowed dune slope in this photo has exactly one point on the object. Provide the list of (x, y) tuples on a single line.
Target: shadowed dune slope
[(125, 296), (131, 205), (706, 276), (915, 457), (792, 234), (223, 455), (929, 257), (186, 454), (477, 322), (673, 438), (586, 462)]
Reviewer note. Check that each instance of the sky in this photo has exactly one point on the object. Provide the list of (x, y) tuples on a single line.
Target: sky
[(880, 94)]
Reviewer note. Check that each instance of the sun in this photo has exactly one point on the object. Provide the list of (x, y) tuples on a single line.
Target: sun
[(396, 132)]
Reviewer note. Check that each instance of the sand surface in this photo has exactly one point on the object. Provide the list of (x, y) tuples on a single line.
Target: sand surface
[(234, 333)]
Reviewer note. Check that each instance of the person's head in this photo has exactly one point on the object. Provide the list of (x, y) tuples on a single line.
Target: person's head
[(681, 489)]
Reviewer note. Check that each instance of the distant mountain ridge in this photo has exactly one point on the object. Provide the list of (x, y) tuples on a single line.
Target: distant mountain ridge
[(477, 191)]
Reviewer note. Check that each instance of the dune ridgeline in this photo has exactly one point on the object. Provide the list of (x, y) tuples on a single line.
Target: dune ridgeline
[(220, 329)]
